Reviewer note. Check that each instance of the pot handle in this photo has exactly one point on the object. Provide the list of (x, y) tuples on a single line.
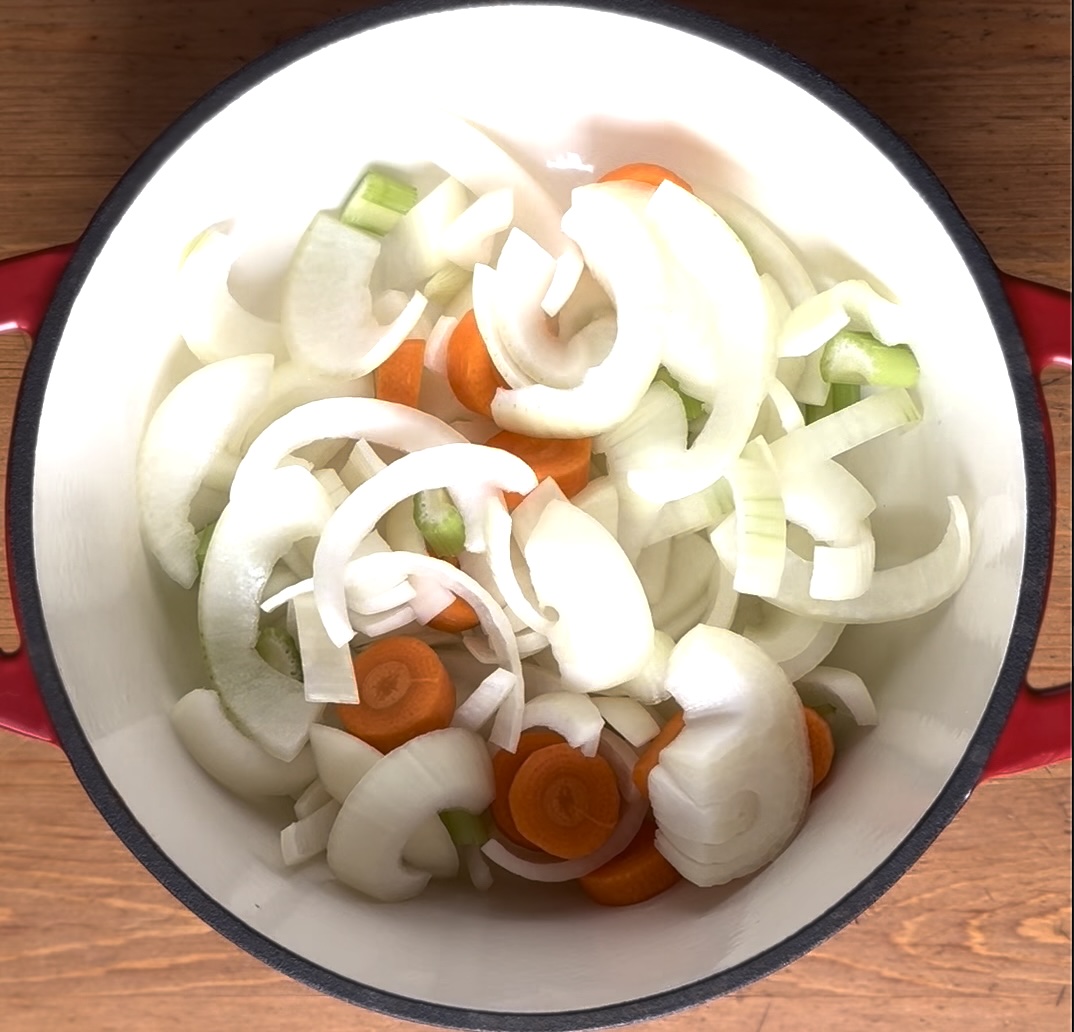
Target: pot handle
[(27, 284), (1038, 730)]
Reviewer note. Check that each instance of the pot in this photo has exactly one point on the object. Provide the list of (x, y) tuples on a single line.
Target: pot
[(109, 644)]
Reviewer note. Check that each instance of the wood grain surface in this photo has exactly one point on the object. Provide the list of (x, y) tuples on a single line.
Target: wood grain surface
[(976, 936)]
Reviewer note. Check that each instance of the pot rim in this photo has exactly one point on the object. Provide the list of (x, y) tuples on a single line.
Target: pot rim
[(964, 777)]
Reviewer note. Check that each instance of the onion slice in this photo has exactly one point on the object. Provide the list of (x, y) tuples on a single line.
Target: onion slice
[(573, 716), (308, 836), (843, 689), (628, 718), (485, 700), (327, 671)]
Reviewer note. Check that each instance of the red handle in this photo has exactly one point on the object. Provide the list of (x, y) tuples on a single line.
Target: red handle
[(27, 284), (1038, 730)]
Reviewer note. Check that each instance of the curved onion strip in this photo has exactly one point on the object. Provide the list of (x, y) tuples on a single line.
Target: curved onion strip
[(787, 409), (528, 512), (825, 499), (487, 315), (440, 770), (780, 634), (814, 653), (600, 500), (569, 714), (735, 318), (528, 643), (844, 570), (307, 837), (328, 320), (498, 537), (327, 671), (188, 434), (227, 755), (377, 422), (653, 431), (508, 723), (430, 598), (629, 718), (485, 700), (648, 685), (437, 344), (379, 624), (468, 240), (530, 865), (843, 689), (253, 533), (691, 566), (627, 261), (569, 269), (211, 322), (725, 601), (760, 521)]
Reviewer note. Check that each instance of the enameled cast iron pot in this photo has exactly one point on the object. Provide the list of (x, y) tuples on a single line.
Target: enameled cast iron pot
[(108, 644)]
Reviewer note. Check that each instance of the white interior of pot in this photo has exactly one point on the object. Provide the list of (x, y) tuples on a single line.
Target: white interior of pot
[(552, 82)]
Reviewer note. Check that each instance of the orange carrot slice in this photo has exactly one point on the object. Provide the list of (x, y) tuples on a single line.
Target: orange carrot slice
[(821, 744), (639, 873), (651, 757), (398, 377), (470, 372), (644, 172), (456, 618), (403, 691), (505, 765), (565, 803), (565, 461)]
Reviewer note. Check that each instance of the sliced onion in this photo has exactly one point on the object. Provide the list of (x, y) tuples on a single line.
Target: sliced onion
[(229, 757), (569, 269), (691, 568), (604, 632), (528, 643), (600, 500), (648, 685), (787, 409), (468, 240), (253, 533), (851, 303), (685, 819), (655, 430), (485, 700), (637, 519), (735, 318), (532, 867), (342, 761), (624, 257), (827, 637), (855, 425), (760, 521), (652, 567), (361, 464), (187, 436), (843, 689), (430, 598), (211, 322), (328, 318), (845, 570), (498, 536), (780, 634), (441, 770), (333, 486), (629, 718), (327, 671), (825, 499), (437, 344), (494, 623), (685, 515), (377, 422), (313, 798), (573, 716), (896, 593), (724, 602), (400, 530), (526, 514), (308, 836), (462, 468), (379, 624)]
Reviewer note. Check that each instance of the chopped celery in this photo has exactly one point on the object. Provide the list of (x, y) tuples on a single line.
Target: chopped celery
[(378, 203), (204, 536), (440, 523), (692, 407), (446, 283), (814, 412), (858, 358), (843, 395), (277, 648), (465, 828)]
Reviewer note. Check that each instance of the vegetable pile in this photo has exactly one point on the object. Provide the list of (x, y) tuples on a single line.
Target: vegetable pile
[(521, 539)]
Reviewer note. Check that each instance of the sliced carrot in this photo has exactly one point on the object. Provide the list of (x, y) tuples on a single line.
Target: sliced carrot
[(651, 757), (565, 803), (403, 691), (398, 377), (470, 372), (505, 765), (638, 873), (644, 172), (821, 744), (458, 617), (565, 461)]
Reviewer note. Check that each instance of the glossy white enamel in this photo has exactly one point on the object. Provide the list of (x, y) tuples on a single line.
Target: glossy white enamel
[(564, 87)]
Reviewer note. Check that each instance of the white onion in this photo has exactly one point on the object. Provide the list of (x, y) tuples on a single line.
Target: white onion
[(499, 551), (569, 269), (441, 770), (844, 570), (211, 322), (379, 624), (814, 653), (526, 514), (724, 602), (652, 567), (780, 634), (604, 632), (308, 836), (695, 512), (825, 499), (313, 798), (468, 240), (648, 685), (485, 700), (342, 761), (328, 318), (229, 757), (327, 671), (760, 521), (430, 598), (629, 718), (572, 716), (253, 533), (840, 688), (377, 422), (189, 434), (692, 564), (600, 500), (436, 346)]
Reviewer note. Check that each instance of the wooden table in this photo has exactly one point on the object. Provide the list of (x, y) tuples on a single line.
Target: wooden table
[(976, 936)]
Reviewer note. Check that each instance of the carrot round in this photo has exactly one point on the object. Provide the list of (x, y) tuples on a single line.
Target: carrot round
[(821, 744), (398, 377), (644, 172), (470, 372), (638, 873), (565, 803), (505, 765), (403, 691), (565, 461), (456, 618), (651, 756)]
